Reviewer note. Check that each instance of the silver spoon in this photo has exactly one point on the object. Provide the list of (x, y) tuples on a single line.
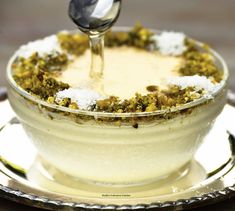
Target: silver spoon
[(95, 17)]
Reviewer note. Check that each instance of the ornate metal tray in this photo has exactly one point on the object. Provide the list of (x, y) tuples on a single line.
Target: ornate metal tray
[(27, 179)]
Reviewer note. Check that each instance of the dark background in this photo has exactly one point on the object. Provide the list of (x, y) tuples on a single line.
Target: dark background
[(210, 21)]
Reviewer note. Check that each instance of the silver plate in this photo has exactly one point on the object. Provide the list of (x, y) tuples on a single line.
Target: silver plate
[(26, 178)]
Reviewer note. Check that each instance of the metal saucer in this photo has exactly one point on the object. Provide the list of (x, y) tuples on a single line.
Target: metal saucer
[(27, 179)]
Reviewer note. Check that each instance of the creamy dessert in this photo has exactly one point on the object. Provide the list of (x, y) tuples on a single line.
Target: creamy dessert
[(138, 63), (144, 119)]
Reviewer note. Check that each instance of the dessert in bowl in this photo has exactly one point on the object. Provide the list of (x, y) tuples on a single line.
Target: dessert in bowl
[(160, 95)]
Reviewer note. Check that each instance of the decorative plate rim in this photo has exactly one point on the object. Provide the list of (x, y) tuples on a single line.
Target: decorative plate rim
[(180, 203)]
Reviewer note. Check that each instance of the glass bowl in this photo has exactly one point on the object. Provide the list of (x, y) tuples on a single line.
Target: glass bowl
[(92, 147)]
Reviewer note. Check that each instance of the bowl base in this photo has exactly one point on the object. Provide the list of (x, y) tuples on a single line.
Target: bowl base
[(50, 178)]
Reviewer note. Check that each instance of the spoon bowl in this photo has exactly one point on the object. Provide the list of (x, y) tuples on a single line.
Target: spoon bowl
[(94, 16)]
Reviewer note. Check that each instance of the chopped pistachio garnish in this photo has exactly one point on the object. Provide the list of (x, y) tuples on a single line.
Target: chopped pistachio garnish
[(51, 100), (150, 102), (35, 74), (53, 62), (65, 102), (199, 63), (73, 105), (139, 37), (152, 88), (75, 44)]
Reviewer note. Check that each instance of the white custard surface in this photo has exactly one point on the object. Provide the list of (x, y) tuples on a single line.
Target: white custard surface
[(127, 71)]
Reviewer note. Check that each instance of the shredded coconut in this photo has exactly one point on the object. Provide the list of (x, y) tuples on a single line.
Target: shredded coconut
[(199, 82), (170, 43), (47, 45), (83, 97)]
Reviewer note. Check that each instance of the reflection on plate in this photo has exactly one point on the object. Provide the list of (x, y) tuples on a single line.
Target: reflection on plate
[(26, 178)]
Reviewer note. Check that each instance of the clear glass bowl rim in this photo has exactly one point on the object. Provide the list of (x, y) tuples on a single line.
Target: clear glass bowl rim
[(197, 102)]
